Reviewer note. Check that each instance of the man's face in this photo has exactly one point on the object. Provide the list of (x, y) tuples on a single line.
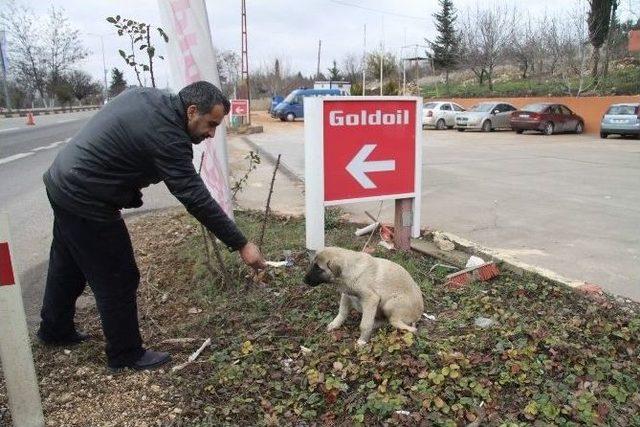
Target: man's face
[(203, 126)]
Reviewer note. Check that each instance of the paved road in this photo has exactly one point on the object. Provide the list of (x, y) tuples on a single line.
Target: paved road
[(568, 203), (25, 154)]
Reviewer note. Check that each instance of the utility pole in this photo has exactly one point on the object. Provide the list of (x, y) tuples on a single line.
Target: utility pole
[(245, 58), (364, 62), (5, 83), (381, 56), (318, 68), (104, 66)]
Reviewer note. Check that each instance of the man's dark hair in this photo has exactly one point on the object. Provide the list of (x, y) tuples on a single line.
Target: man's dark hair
[(204, 96)]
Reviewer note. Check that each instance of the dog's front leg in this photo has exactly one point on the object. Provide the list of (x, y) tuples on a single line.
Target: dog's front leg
[(343, 312), (369, 309)]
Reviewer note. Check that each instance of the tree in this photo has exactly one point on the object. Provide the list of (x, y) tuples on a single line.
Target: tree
[(334, 72), (118, 83), (80, 84), (140, 37), (445, 48), (39, 63), (352, 68), (485, 36), (598, 20), (389, 65), (524, 47), (228, 63)]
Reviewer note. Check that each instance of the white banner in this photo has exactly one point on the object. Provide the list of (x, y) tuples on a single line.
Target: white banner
[(192, 58)]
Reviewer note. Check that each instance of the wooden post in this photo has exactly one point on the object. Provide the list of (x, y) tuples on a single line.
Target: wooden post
[(402, 223)]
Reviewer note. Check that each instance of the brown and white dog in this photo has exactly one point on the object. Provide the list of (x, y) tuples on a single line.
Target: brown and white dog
[(378, 288)]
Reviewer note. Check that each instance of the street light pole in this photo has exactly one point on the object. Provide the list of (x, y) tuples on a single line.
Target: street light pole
[(104, 65)]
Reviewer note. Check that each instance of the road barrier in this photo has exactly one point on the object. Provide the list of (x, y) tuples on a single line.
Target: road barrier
[(48, 111)]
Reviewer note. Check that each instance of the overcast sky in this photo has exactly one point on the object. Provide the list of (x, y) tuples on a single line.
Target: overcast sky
[(287, 29)]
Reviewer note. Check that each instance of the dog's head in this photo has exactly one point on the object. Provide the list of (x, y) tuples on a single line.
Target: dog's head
[(325, 268)]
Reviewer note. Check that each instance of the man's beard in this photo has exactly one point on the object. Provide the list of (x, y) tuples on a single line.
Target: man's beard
[(198, 139)]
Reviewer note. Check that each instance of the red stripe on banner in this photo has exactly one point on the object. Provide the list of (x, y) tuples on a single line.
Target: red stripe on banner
[(6, 269)]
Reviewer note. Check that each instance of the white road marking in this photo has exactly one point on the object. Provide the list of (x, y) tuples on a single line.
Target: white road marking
[(32, 152), (4, 130), (15, 157)]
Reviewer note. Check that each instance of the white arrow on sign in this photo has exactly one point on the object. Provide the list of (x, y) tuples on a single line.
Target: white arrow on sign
[(359, 166), (239, 110)]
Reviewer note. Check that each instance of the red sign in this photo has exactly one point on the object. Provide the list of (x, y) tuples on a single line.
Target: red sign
[(239, 107), (369, 149), (6, 269)]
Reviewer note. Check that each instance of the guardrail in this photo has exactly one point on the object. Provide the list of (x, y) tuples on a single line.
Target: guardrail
[(48, 111)]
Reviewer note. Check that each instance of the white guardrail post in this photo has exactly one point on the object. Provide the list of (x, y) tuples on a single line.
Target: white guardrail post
[(15, 349)]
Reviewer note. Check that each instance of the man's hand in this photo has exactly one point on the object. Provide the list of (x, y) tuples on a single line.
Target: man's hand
[(251, 256)]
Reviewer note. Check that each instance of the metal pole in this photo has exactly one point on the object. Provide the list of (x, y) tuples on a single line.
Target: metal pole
[(104, 68), (319, 50), (381, 55), (5, 83), (364, 62)]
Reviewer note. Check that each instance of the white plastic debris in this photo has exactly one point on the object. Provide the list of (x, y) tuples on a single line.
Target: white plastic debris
[(368, 229), (484, 322), (403, 412), (429, 316), (276, 264), (386, 244), (474, 261), (193, 356)]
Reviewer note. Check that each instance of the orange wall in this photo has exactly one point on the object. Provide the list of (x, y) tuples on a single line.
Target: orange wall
[(634, 41), (590, 108)]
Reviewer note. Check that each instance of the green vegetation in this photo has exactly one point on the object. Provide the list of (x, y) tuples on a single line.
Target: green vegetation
[(553, 357), (625, 81)]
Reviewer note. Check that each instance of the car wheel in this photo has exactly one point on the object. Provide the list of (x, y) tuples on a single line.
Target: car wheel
[(603, 135), (282, 119), (460, 130), (548, 128), (519, 131), (579, 128), (486, 126), (441, 125), (291, 117)]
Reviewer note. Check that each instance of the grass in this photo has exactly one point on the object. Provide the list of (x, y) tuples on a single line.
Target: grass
[(553, 357), (624, 81)]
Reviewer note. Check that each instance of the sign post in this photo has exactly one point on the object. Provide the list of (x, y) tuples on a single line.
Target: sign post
[(363, 149), (15, 350), (240, 108)]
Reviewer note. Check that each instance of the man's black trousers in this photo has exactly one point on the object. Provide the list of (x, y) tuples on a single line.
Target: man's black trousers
[(101, 254)]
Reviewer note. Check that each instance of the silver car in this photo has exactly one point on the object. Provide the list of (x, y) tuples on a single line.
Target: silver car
[(486, 116), (441, 114), (621, 119)]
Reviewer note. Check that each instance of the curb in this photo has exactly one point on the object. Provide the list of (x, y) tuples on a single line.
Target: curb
[(270, 157)]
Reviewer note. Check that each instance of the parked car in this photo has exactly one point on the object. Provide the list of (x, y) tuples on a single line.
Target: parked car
[(621, 119), (546, 118), (292, 106), (441, 114), (486, 116)]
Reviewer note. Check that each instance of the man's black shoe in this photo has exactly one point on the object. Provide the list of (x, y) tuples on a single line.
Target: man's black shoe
[(76, 338), (149, 360)]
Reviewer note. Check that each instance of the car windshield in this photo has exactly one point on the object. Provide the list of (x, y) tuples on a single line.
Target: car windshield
[(291, 96), (483, 108), (429, 105), (536, 108), (623, 110)]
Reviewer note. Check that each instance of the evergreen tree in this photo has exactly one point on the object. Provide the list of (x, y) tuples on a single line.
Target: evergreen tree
[(445, 48), (598, 20), (118, 83), (334, 72)]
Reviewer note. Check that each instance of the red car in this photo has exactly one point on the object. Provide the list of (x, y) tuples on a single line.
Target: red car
[(546, 118)]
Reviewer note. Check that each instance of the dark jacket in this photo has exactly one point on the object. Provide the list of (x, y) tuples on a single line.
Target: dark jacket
[(139, 138)]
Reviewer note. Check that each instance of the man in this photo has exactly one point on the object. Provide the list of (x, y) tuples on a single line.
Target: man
[(142, 136)]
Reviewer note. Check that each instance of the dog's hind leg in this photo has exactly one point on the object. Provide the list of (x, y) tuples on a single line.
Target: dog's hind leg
[(343, 312)]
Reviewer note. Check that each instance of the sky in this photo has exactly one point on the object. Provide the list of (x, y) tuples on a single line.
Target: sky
[(287, 29)]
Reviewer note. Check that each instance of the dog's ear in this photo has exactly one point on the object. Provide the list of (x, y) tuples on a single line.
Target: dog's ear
[(335, 268)]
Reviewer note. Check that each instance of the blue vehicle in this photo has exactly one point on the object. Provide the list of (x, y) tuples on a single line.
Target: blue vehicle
[(291, 107), (275, 100)]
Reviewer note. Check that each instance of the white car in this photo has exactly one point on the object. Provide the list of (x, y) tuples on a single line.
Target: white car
[(441, 114)]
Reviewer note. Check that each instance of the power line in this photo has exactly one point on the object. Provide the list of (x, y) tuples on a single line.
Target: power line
[(385, 12)]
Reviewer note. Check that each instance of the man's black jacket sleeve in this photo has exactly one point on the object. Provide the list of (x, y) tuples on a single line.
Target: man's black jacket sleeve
[(174, 165)]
